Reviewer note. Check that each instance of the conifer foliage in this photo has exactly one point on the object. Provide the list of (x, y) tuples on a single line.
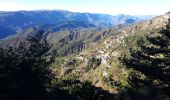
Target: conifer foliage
[(153, 61), (25, 72)]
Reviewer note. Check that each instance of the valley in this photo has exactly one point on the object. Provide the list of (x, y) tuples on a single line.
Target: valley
[(87, 47)]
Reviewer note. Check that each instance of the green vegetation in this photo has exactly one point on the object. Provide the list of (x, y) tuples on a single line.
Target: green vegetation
[(150, 76), (25, 73), (83, 90), (93, 63), (129, 63)]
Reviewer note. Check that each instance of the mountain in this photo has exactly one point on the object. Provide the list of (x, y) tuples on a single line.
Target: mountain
[(110, 73), (97, 58), (5, 32), (65, 40), (17, 20), (86, 52)]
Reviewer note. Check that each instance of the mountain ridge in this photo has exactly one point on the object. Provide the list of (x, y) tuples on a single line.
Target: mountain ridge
[(90, 53), (16, 20), (103, 57)]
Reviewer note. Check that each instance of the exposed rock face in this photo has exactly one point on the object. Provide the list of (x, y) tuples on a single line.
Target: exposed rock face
[(75, 40), (108, 52), (95, 54)]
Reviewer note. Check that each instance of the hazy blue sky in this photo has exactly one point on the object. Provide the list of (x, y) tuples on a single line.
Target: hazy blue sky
[(132, 7)]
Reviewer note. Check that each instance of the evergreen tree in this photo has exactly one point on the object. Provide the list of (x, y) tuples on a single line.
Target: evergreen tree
[(153, 61), (25, 72)]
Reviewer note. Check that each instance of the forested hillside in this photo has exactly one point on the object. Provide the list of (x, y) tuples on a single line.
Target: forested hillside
[(79, 61)]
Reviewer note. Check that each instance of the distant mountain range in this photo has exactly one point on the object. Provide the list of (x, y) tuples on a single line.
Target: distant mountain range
[(88, 46), (5, 31), (14, 22)]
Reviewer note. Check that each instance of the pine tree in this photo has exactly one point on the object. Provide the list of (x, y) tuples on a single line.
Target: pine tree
[(25, 72), (153, 61)]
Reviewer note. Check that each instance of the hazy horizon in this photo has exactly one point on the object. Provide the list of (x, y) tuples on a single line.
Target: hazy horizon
[(112, 7)]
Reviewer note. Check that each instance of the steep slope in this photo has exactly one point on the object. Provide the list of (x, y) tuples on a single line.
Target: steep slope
[(21, 19), (100, 63), (89, 53), (64, 40)]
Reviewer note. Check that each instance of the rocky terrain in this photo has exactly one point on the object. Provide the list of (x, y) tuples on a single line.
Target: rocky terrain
[(90, 53), (100, 63)]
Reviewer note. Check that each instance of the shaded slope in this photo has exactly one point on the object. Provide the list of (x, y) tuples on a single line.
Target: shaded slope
[(21, 19)]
